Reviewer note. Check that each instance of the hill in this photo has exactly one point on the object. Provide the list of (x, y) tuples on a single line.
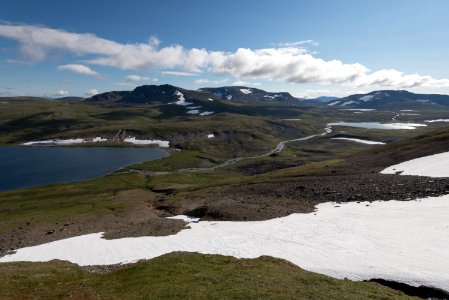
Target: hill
[(248, 95), (391, 99)]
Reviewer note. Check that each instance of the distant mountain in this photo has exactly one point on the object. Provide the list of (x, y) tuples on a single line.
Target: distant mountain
[(249, 95), (70, 99), (391, 99), (151, 94), (320, 99)]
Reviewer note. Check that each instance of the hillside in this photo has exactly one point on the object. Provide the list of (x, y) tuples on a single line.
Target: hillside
[(248, 95), (391, 99)]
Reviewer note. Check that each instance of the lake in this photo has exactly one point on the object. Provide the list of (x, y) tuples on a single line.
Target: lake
[(22, 167)]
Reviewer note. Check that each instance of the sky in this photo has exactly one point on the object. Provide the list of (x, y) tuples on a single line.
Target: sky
[(308, 48)]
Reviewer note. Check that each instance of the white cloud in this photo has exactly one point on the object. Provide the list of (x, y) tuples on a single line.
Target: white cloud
[(80, 69), (299, 43), (177, 73), (287, 62), (246, 83), (208, 81), (136, 78), (313, 93), (60, 93), (91, 92)]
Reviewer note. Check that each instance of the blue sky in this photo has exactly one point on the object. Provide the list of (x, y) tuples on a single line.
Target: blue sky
[(309, 48)]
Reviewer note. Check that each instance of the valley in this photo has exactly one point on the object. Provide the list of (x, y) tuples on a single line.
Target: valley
[(248, 164)]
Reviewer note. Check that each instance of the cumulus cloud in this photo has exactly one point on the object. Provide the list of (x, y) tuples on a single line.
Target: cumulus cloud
[(208, 81), (136, 78), (80, 69), (299, 43), (92, 92), (60, 93), (246, 83), (313, 93), (288, 62), (177, 73)]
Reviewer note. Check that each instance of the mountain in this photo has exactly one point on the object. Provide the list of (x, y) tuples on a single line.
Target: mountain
[(248, 95), (70, 99), (151, 94), (391, 99), (320, 99)]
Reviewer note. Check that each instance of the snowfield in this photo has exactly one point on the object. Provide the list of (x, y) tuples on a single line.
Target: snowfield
[(159, 143), (62, 142), (376, 125), (437, 121), (436, 165), (404, 241), (359, 141)]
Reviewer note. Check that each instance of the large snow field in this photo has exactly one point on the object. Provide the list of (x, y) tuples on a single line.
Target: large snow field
[(404, 241), (436, 165)]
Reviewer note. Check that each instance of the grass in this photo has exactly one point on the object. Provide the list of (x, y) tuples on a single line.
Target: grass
[(183, 276), (177, 160), (60, 202)]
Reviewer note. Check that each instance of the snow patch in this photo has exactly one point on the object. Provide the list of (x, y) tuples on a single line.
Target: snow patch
[(246, 91), (404, 241), (55, 142), (159, 143), (334, 103), (366, 98), (98, 139), (348, 103), (437, 121), (206, 113), (376, 125), (359, 109), (193, 111), (182, 100), (210, 136), (436, 165), (359, 141)]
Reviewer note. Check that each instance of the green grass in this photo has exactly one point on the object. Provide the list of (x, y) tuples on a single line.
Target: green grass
[(177, 160), (183, 276), (59, 202)]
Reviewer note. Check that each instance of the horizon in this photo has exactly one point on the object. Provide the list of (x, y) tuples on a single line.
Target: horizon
[(311, 51)]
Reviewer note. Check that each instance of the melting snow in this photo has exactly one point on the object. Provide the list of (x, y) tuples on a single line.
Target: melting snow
[(334, 103), (437, 121), (229, 97), (193, 111), (404, 241), (348, 103), (246, 91), (133, 140), (182, 100), (55, 142), (376, 125), (206, 113), (359, 109), (359, 141), (367, 98), (436, 165)]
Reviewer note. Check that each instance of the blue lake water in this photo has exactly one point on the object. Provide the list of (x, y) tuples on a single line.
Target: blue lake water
[(22, 167)]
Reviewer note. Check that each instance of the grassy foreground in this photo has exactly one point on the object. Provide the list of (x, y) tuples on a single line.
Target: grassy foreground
[(183, 276)]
